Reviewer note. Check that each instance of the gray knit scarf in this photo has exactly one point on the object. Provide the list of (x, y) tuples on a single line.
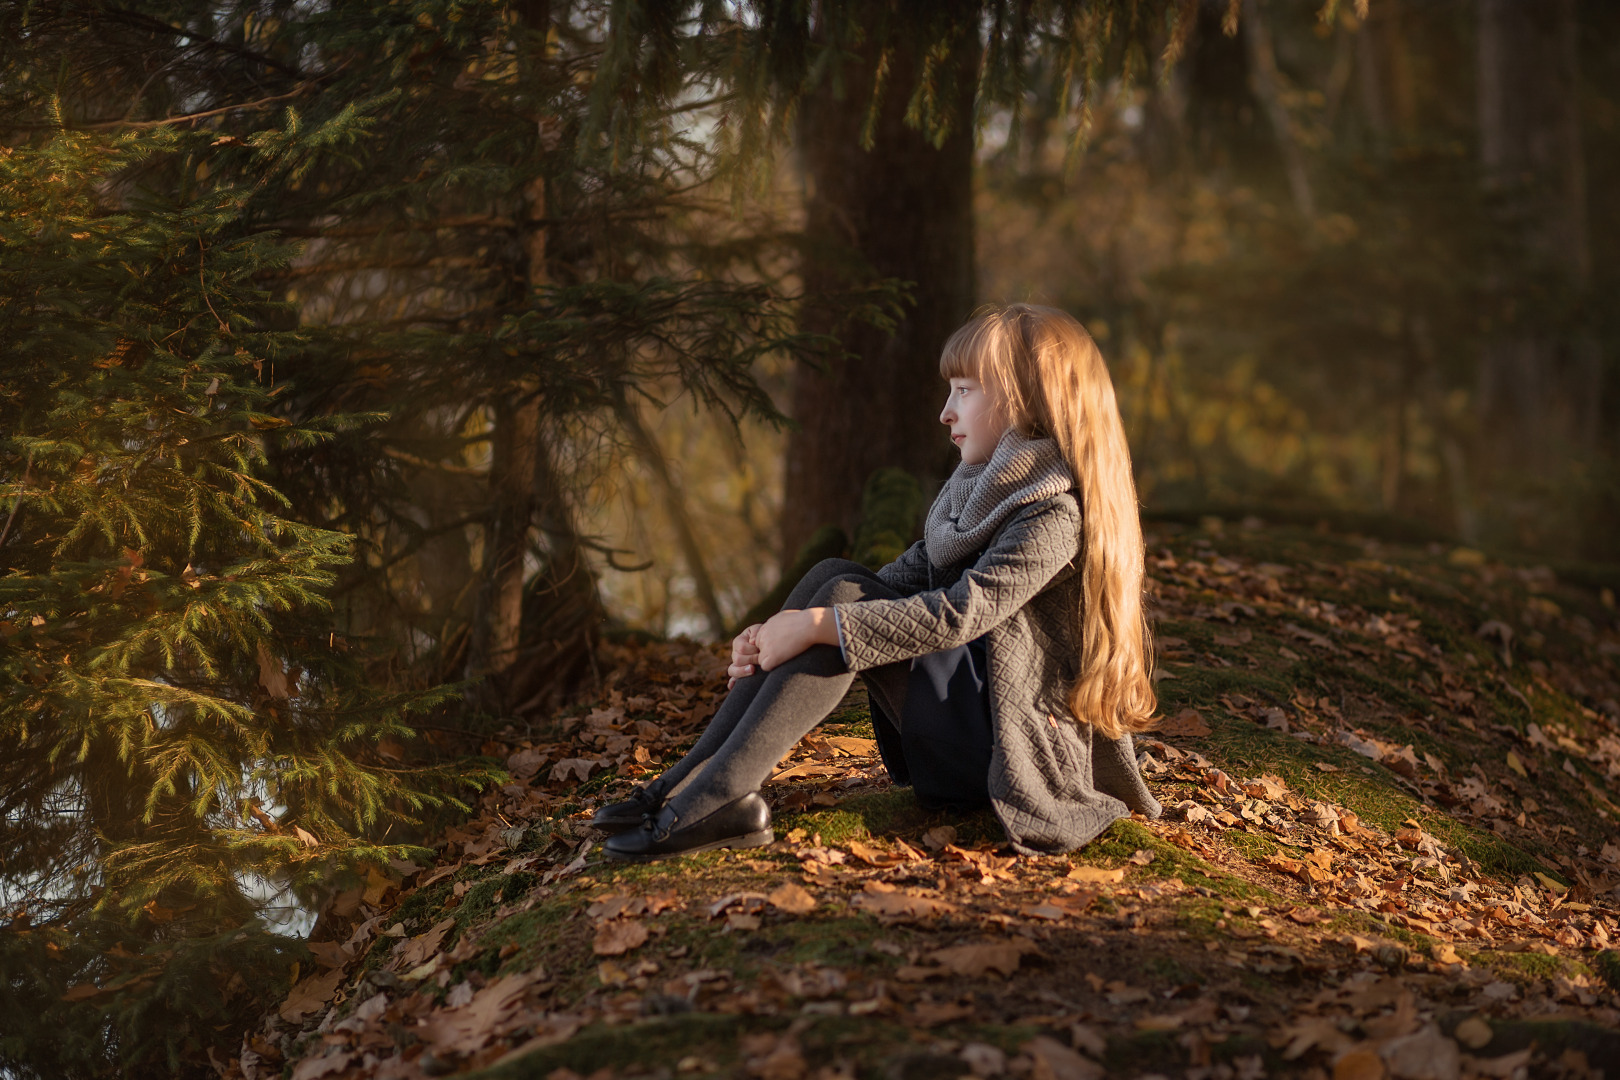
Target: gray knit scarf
[(977, 499)]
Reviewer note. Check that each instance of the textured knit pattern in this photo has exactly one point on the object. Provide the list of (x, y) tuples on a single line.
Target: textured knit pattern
[(1054, 782), (977, 499)]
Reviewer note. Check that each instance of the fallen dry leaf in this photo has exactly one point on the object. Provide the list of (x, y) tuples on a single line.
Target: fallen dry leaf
[(313, 1068), (1359, 1065), (852, 746), (1188, 723), (1096, 875), (885, 900), (1474, 1033), (580, 768), (931, 1013), (619, 936), (310, 995), (481, 1020), (1059, 1062), (791, 898), (872, 856), (418, 949), (1308, 1034), (1001, 957), (1425, 1054)]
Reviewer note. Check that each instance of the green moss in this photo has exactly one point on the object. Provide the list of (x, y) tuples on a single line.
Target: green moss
[(490, 893), (1607, 966), (1252, 845), (535, 934), (1528, 967), (895, 812), (424, 906), (841, 941)]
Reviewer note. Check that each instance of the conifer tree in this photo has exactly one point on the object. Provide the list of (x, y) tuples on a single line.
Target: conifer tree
[(185, 731)]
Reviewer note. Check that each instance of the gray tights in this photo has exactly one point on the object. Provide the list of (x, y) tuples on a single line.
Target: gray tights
[(766, 713)]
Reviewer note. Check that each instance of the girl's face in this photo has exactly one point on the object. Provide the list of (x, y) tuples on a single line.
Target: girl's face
[(975, 419)]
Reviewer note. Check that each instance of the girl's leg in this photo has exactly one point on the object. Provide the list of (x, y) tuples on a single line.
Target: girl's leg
[(788, 703), (742, 695)]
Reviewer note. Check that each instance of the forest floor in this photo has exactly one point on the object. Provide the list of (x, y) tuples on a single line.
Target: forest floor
[(1389, 848)]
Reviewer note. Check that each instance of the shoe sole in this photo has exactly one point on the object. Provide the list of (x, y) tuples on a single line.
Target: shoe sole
[(763, 838)]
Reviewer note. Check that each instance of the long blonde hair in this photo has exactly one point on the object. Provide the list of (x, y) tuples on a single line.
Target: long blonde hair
[(1049, 379)]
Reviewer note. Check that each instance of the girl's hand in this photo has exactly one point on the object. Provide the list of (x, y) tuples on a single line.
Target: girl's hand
[(788, 633), (744, 655)]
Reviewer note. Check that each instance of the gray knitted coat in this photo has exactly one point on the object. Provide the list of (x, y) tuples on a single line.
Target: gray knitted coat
[(1054, 783)]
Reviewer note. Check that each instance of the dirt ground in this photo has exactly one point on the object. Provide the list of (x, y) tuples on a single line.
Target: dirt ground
[(1388, 849)]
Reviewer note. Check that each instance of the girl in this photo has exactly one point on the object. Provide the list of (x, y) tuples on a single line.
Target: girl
[(1006, 651)]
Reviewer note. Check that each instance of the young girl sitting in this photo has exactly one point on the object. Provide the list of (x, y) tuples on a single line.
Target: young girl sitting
[(1006, 651)]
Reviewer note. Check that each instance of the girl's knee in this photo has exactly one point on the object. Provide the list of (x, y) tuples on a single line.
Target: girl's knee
[(843, 589), (819, 575), (828, 569)]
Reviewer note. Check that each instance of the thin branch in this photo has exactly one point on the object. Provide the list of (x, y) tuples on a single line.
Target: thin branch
[(16, 506), (424, 463), (156, 25), (141, 125)]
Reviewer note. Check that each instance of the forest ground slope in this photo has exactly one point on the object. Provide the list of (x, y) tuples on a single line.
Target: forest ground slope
[(1391, 780)]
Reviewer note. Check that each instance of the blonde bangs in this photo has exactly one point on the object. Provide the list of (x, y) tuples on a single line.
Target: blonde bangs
[(960, 357)]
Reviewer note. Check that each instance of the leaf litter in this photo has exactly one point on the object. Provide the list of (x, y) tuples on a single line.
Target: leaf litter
[(1293, 912)]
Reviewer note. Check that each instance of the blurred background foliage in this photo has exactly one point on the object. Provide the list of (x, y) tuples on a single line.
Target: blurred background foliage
[(608, 312)]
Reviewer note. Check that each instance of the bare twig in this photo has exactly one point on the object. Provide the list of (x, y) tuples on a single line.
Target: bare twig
[(12, 517), (424, 463)]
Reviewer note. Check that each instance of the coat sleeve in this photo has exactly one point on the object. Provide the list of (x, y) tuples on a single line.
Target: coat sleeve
[(1040, 540), (909, 573)]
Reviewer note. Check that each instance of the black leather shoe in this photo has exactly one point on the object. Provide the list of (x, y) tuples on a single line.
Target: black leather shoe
[(744, 823), (643, 802)]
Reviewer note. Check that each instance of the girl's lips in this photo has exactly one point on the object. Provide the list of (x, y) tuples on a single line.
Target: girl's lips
[(958, 438)]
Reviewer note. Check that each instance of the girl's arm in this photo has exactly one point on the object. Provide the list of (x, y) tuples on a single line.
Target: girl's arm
[(909, 573), (1034, 547)]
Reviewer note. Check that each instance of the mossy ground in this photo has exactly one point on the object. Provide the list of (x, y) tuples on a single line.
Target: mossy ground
[(1197, 917)]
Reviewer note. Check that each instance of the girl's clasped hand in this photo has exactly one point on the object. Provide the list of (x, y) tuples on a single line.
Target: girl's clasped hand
[(744, 654), (779, 639)]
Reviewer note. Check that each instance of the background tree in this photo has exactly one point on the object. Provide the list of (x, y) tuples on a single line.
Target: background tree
[(187, 735)]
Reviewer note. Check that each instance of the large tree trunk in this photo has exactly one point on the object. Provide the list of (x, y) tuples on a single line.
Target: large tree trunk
[(516, 461), (903, 209), (1539, 375)]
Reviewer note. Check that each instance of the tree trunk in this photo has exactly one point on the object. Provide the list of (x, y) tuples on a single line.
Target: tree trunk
[(903, 209), (497, 628), (498, 618), (1539, 375)]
